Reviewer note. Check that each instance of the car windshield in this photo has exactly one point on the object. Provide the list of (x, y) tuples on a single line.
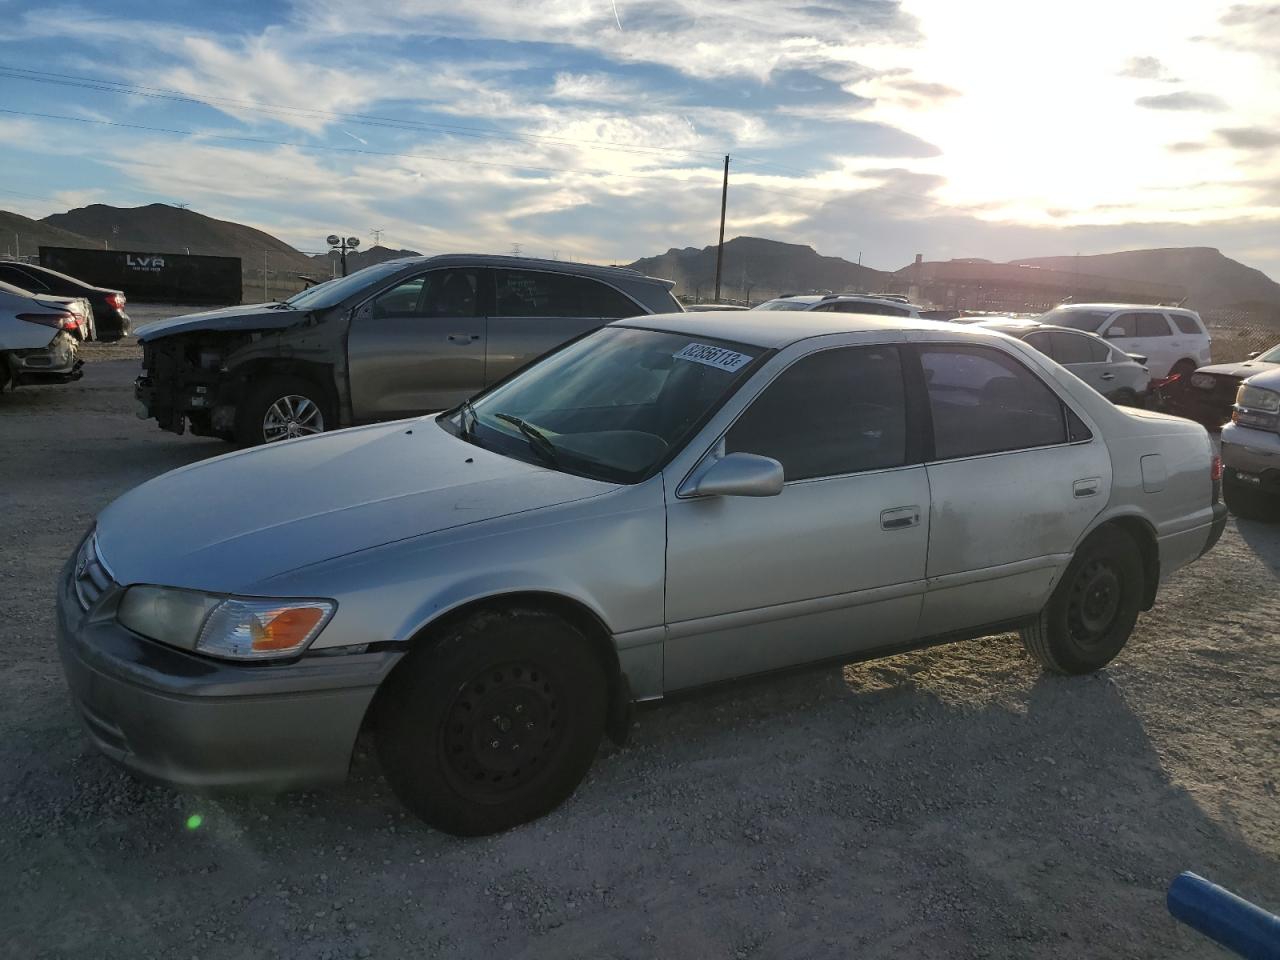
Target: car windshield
[(788, 304), (333, 292), (612, 406), (1076, 318), (1270, 356)]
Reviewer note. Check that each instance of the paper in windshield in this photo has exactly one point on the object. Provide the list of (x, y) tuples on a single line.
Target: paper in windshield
[(717, 357)]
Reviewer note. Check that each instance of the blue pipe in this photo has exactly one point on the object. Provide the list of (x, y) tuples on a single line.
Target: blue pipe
[(1228, 920)]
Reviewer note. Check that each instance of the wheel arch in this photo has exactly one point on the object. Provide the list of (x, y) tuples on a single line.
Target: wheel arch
[(574, 612), (250, 372), (1140, 529)]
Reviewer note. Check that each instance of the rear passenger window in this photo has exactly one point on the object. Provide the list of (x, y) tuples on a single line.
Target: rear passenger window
[(1144, 324), (1071, 348), (1186, 324), (529, 293), (985, 401), (831, 413)]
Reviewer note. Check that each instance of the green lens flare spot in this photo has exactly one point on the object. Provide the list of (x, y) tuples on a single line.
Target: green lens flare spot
[(194, 821)]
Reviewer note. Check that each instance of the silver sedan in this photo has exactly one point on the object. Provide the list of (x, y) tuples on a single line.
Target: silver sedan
[(670, 502)]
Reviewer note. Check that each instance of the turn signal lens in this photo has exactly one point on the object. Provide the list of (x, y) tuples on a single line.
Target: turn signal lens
[(260, 629), (1215, 471)]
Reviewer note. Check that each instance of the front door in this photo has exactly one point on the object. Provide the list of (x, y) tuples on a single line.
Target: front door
[(417, 346), (1147, 333), (1015, 481), (835, 563)]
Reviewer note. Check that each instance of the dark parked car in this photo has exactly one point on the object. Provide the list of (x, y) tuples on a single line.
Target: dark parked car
[(1208, 394), (393, 340), (109, 318)]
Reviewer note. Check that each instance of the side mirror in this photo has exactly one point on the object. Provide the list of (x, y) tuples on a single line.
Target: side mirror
[(738, 475), (1255, 355), (1114, 332)]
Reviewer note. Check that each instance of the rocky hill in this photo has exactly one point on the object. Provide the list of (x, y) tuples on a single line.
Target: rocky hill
[(1211, 279), (760, 269), (22, 237), (162, 228)]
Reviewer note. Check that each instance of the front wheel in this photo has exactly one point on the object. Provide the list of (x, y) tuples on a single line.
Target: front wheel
[(1093, 609), (282, 408), (493, 725)]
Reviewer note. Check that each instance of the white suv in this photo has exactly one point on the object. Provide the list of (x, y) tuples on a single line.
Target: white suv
[(1172, 339), (843, 303)]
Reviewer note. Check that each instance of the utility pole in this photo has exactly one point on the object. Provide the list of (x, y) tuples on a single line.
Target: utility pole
[(724, 201), (265, 254)]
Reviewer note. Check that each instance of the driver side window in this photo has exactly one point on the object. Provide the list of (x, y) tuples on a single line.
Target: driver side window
[(440, 293), (836, 412)]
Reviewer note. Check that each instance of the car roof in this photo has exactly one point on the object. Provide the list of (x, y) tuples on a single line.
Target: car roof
[(774, 329), (814, 298), (1122, 306), (533, 263), (1022, 328)]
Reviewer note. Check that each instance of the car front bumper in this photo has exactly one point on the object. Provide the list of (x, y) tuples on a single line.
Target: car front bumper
[(195, 722)]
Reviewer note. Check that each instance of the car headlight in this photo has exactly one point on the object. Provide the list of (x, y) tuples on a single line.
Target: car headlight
[(235, 628), (1255, 398)]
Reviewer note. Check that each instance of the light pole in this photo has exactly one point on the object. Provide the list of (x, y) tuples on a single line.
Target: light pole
[(342, 245)]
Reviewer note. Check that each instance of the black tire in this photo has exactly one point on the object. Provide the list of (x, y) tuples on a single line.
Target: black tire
[(519, 678), (284, 394), (1184, 368), (1124, 398), (1248, 502), (1093, 609)]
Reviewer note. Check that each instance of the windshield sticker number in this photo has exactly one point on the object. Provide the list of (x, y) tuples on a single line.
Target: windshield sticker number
[(717, 357)]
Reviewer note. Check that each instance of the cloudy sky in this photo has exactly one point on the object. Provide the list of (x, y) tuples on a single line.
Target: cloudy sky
[(594, 129)]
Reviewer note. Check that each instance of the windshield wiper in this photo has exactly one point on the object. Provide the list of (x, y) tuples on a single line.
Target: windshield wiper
[(537, 439), (466, 420)]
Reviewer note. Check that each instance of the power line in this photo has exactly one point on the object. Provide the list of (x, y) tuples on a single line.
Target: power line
[(262, 106), (268, 141)]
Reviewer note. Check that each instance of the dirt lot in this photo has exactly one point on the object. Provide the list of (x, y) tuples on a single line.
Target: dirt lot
[(955, 802)]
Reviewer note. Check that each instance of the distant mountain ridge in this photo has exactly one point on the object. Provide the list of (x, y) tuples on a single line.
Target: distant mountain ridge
[(753, 266), (162, 228), (1212, 280), (759, 268)]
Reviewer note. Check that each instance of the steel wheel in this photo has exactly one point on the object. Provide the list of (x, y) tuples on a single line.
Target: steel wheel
[(502, 727), (291, 416), (1094, 602)]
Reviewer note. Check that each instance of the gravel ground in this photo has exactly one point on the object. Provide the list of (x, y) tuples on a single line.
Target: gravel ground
[(954, 802)]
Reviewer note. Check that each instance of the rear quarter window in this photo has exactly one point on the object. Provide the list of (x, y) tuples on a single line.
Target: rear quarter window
[(1186, 324)]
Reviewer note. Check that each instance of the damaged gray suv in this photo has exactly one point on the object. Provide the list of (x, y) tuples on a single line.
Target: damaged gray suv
[(393, 340)]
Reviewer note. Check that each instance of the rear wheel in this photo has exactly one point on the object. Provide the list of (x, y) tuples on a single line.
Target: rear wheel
[(1093, 609), (1247, 501), (1183, 368), (282, 408), (495, 724)]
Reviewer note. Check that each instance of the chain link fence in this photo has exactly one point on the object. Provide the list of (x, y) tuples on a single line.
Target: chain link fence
[(1239, 333)]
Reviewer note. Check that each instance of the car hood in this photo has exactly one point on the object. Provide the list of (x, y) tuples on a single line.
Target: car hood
[(226, 524), (257, 316), (1267, 377), (1246, 368)]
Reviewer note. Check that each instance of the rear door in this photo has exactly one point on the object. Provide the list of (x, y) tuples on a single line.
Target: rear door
[(534, 311), (418, 345), (1015, 479), (1086, 357)]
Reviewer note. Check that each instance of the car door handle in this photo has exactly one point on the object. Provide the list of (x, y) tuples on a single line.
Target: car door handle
[(899, 518), (463, 337), (1108, 376), (1087, 488)]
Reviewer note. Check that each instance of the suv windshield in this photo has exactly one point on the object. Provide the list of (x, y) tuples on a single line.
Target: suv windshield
[(611, 406), (333, 292), (1076, 318)]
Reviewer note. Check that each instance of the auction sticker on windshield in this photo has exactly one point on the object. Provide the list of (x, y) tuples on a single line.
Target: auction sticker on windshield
[(717, 357)]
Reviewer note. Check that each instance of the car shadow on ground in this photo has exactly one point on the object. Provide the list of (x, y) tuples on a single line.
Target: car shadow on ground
[(956, 797), (1264, 538)]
